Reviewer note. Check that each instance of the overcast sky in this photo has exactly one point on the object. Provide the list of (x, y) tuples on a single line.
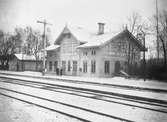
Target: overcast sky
[(84, 13)]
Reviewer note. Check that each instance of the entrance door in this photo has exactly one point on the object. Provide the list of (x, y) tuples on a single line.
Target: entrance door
[(55, 66), (117, 67), (74, 71)]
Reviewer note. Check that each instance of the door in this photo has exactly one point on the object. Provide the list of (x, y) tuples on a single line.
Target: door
[(55, 66), (74, 71), (117, 67)]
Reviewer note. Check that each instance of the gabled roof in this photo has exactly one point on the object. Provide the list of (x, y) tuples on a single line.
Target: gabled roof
[(99, 40), (89, 39), (25, 57), (79, 33), (52, 47)]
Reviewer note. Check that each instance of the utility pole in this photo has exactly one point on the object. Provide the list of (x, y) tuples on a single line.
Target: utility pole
[(144, 59), (44, 45), (157, 31)]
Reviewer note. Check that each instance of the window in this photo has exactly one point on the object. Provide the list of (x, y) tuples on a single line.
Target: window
[(106, 67), (69, 66), (28, 49), (67, 35), (50, 66), (74, 66), (84, 66), (85, 53), (64, 65), (93, 66), (93, 52), (50, 53)]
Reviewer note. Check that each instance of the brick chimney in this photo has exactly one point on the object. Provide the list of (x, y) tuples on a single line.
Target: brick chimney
[(101, 28)]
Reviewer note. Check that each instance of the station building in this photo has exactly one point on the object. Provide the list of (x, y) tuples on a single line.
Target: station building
[(83, 53)]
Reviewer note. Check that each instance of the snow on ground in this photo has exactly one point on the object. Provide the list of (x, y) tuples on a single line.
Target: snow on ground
[(128, 112), (114, 80), (12, 110), (142, 94), (56, 106), (120, 110)]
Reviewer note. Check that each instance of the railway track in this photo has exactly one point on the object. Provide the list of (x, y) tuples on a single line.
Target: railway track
[(100, 116), (92, 94), (97, 93), (48, 108), (152, 106), (38, 101), (93, 83)]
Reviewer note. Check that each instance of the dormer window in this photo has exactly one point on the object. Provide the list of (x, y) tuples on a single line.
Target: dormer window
[(67, 35)]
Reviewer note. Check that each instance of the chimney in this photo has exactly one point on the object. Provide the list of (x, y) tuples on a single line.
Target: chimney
[(101, 28)]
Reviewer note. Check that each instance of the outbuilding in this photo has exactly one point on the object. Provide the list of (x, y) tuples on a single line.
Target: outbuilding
[(24, 62)]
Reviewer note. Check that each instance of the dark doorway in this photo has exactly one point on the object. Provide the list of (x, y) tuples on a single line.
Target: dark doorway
[(55, 65), (117, 67), (63, 67), (74, 68)]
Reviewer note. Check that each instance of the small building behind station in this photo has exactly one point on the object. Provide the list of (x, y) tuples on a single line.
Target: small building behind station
[(24, 62)]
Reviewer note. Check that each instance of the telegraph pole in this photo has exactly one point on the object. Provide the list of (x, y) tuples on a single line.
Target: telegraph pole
[(157, 30), (144, 59), (44, 45)]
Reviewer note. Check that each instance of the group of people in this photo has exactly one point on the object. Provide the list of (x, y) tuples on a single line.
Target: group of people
[(59, 71)]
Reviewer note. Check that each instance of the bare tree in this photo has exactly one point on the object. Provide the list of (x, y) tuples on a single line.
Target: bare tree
[(8, 44), (134, 24), (18, 38), (163, 35), (24, 40), (34, 43), (134, 21)]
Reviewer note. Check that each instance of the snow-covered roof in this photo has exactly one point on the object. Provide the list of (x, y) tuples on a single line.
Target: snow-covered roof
[(90, 39), (86, 36), (25, 57), (79, 33), (98, 40), (52, 47)]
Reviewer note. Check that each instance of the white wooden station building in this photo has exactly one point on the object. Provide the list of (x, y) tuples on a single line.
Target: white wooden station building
[(83, 53)]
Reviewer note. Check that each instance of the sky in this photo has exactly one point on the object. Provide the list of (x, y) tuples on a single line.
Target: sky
[(84, 13)]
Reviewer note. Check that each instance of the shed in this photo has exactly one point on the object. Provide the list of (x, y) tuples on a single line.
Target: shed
[(24, 62)]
